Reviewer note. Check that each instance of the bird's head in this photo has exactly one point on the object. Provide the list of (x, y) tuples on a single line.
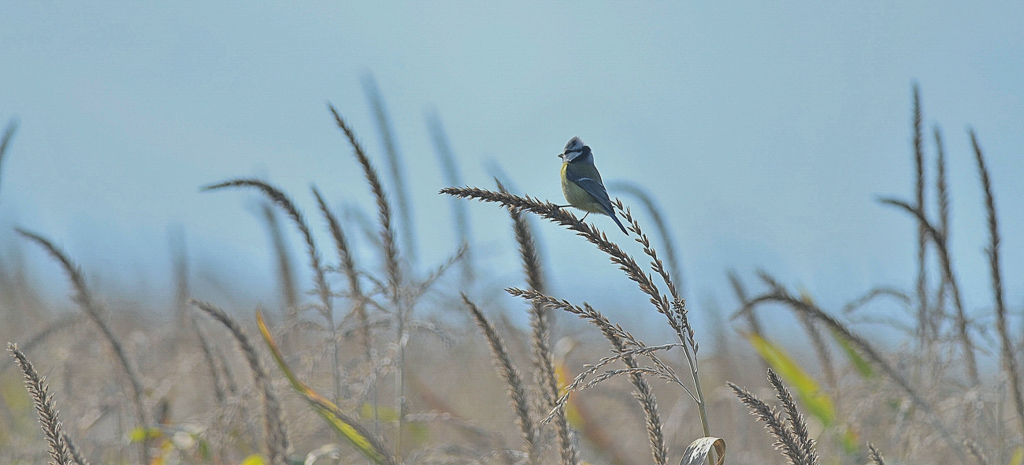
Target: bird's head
[(575, 150)]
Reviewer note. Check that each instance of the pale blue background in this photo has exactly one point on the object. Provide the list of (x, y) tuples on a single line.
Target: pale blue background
[(766, 132)]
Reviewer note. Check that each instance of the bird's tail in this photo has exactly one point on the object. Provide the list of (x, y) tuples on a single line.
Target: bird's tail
[(616, 218)]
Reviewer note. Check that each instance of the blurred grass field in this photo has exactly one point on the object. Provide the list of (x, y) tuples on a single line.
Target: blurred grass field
[(380, 362)]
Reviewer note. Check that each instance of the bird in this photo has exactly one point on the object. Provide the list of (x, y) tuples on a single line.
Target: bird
[(581, 183)]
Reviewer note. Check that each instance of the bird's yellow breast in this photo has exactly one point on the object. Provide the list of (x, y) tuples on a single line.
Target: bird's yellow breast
[(578, 197)]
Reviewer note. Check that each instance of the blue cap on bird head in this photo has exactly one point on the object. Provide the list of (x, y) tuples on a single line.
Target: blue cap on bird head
[(574, 149)]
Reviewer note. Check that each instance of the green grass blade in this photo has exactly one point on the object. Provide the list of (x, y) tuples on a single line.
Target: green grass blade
[(859, 363), (807, 390), (321, 405)]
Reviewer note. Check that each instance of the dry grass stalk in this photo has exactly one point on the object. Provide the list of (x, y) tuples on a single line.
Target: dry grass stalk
[(179, 260), (677, 316), (796, 420), (675, 312), (821, 349), (876, 457), (623, 344), (95, 311), (76, 456), (46, 408), (527, 248), (922, 238), (540, 341), (678, 319), (273, 424), (741, 295), (211, 361), (285, 272), (321, 286), (371, 446), (779, 294), (963, 333), (516, 387), (450, 169), (347, 266), (540, 316), (786, 440), (12, 127), (395, 165), (416, 290), (386, 232), (873, 294), (592, 234), (661, 370), (392, 268), (1008, 358), (660, 225), (942, 195), (619, 337)]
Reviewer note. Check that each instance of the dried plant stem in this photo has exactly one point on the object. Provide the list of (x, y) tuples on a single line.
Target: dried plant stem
[(660, 225), (179, 259), (786, 440), (392, 267), (1009, 361), (548, 380), (12, 127), (820, 349), (796, 420), (677, 319), (46, 408), (284, 264), (450, 169), (621, 342), (394, 164), (516, 387), (942, 193), (348, 268), (741, 295), (780, 295), (322, 287), (92, 308), (963, 333), (527, 248), (211, 361), (76, 456), (674, 312), (540, 341), (922, 244), (359, 299), (873, 294), (273, 425), (558, 215), (543, 361), (876, 457)]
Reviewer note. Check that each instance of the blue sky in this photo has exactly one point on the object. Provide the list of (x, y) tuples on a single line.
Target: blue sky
[(765, 132)]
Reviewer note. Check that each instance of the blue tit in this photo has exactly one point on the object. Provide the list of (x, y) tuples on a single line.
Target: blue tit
[(581, 183)]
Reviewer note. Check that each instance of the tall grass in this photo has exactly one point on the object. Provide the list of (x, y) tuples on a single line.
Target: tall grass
[(97, 314), (9, 131), (394, 164), (450, 169), (406, 383)]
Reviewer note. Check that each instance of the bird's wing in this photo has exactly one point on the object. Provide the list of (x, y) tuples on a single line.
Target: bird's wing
[(597, 191)]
